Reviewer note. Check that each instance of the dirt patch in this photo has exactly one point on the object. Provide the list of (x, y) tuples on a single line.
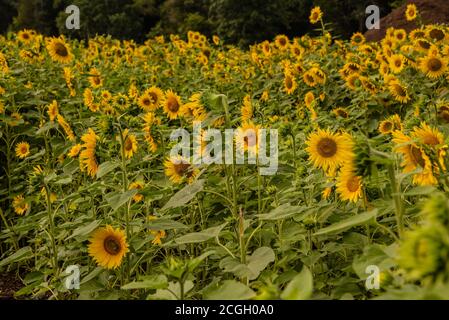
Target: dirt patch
[(9, 284), (432, 11)]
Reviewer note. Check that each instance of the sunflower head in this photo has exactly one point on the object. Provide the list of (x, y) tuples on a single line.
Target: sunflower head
[(108, 246), (179, 169), (20, 205), (315, 15), (411, 12), (22, 150), (59, 50), (172, 105)]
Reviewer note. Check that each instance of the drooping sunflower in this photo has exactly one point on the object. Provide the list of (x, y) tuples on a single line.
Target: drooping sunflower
[(247, 109), (87, 155), (309, 98), (309, 79), (172, 105), (349, 185), (108, 246), (315, 15), (75, 150), (432, 138), (341, 112), (66, 127), (329, 150), (59, 50), (20, 205), (179, 169), (129, 144), (22, 149), (139, 186), (414, 158), (411, 12), (433, 66)]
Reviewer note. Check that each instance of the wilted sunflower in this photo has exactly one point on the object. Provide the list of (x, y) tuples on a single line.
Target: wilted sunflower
[(329, 150), (411, 12), (315, 15), (179, 169), (172, 105), (20, 205), (22, 150), (108, 246), (59, 50), (349, 185), (433, 66)]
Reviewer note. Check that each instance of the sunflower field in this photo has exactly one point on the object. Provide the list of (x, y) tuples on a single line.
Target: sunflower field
[(357, 209)]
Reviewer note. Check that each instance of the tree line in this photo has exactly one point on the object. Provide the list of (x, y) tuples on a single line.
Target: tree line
[(239, 22)]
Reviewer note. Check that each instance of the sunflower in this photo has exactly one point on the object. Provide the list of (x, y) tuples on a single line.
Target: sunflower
[(66, 127), (108, 246), (341, 112), (400, 35), (289, 83), (20, 205), (138, 185), (22, 150), (414, 158), (309, 79), (315, 15), (172, 105), (156, 96), (95, 78), (309, 98), (130, 144), (349, 185), (432, 138), (397, 63), (179, 169), (329, 150), (353, 80), (121, 101), (247, 137), (436, 34), (26, 36), (52, 110), (386, 126), (433, 66), (87, 155), (247, 109), (411, 12), (281, 41), (266, 49), (398, 91), (59, 50), (357, 39), (422, 45), (75, 150)]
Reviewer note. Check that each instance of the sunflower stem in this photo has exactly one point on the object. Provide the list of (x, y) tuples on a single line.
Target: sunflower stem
[(51, 233), (397, 199)]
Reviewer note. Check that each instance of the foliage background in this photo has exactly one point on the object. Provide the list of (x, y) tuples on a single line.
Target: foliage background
[(235, 21)]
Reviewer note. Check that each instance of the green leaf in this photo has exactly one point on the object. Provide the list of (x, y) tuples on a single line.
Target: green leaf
[(184, 195), (148, 282), (282, 212), (372, 255), (300, 287), (420, 190), (348, 223), (20, 255), (202, 236), (85, 229), (116, 200), (230, 290), (63, 179), (106, 167), (259, 260), (165, 224)]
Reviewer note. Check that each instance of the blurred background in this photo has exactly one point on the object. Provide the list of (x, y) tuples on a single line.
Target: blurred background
[(240, 22)]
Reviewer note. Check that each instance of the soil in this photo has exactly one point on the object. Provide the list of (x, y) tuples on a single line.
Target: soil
[(432, 11), (9, 284)]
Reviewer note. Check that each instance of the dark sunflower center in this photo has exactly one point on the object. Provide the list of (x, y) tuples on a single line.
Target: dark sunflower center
[(327, 147), (398, 63), (353, 184), (183, 168), (424, 44), (112, 245), (96, 80), (436, 34), (26, 36), (387, 126), (342, 113), (417, 156), (431, 140), (173, 105), (153, 97), (61, 49), (146, 101), (445, 116), (434, 64), (400, 91), (288, 82), (128, 145), (282, 42)]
